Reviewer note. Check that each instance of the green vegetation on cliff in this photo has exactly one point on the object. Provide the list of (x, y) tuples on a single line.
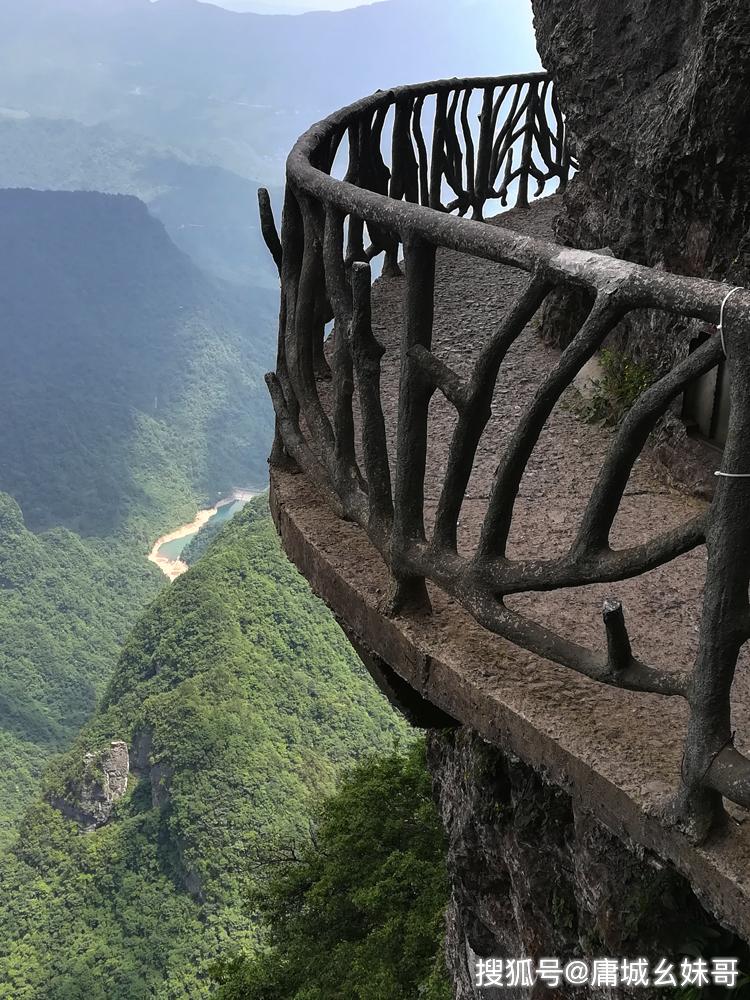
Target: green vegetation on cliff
[(241, 703), (358, 911)]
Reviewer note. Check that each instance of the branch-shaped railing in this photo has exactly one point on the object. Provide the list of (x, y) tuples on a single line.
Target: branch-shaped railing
[(395, 199)]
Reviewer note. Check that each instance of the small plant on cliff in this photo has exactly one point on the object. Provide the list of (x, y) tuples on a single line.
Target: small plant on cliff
[(622, 382), (709, 942)]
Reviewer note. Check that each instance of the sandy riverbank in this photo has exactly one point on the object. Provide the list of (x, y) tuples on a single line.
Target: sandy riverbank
[(176, 567)]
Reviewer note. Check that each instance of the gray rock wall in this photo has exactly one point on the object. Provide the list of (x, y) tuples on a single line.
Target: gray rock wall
[(103, 782), (535, 876), (656, 98)]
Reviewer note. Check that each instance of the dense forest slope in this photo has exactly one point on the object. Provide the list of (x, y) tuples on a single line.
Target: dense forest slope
[(65, 607), (358, 909), (130, 389), (210, 213), (129, 379), (239, 700)]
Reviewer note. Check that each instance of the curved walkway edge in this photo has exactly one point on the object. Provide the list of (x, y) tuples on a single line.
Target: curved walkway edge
[(555, 722)]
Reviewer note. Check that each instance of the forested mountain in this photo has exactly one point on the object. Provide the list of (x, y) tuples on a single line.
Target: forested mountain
[(135, 327), (130, 389), (130, 382), (240, 701), (65, 607), (358, 909), (209, 212)]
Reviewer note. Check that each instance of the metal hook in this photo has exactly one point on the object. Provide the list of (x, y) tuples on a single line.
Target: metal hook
[(727, 297)]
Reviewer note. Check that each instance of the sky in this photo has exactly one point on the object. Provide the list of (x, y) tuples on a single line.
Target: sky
[(288, 6)]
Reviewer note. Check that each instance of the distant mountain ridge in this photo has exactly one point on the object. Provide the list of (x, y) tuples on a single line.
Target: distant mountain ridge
[(240, 87), (129, 378), (209, 212)]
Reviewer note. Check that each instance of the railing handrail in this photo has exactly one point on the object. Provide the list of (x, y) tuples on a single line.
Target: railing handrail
[(699, 298), (325, 274)]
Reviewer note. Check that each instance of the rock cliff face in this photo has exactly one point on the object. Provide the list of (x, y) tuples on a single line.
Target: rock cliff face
[(534, 875), (655, 96), (159, 774), (103, 783), (656, 100)]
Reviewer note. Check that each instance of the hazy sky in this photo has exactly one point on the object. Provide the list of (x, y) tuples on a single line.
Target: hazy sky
[(288, 6)]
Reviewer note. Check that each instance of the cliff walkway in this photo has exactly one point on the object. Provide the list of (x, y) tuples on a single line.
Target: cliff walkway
[(496, 560)]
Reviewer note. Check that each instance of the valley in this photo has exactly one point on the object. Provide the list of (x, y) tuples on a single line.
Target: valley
[(167, 550), (240, 701), (105, 441)]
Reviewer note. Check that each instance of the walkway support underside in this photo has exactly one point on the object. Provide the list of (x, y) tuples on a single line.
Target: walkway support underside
[(410, 179)]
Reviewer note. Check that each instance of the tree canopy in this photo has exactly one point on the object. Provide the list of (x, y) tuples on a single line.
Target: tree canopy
[(357, 911), (241, 703)]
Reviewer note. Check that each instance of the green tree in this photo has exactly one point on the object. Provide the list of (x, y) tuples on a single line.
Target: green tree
[(357, 912)]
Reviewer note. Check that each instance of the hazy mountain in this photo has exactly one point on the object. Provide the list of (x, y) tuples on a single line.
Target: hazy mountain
[(239, 87), (210, 213), (127, 375), (189, 106)]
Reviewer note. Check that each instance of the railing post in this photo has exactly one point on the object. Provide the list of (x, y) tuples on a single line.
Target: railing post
[(405, 170), (304, 292), (340, 296), (292, 240), (367, 354), (527, 150), (279, 458), (375, 176), (484, 155), (355, 242), (724, 627), (423, 163), (471, 170), (438, 151), (415, 391)]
